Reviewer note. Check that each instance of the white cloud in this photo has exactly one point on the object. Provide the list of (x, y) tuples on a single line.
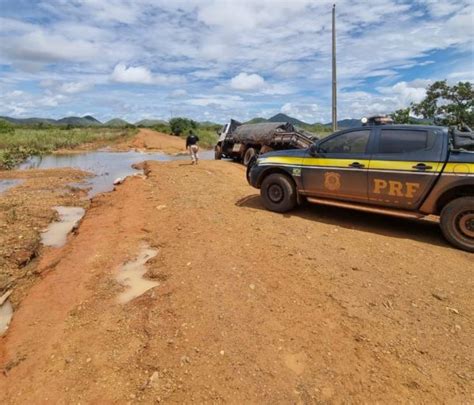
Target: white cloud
[(281, 49), (74, 87), (142, 75), (405, 93), (309, 112), (40, 47), (124, 74), (178, 93), (247, 82), (357, 104)]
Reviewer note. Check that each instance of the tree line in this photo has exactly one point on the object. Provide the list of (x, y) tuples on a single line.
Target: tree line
[(443, 105)]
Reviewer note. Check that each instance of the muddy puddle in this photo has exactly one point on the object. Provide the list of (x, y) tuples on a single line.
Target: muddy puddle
[(106, 166), (56, 234), (6, 312), (5, 184), (130, 275)]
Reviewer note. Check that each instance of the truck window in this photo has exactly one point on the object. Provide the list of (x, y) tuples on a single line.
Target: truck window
[(405, 141), (351, 142)]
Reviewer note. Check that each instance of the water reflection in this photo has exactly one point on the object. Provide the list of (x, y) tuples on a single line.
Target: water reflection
[(5, 184), (107, 166)]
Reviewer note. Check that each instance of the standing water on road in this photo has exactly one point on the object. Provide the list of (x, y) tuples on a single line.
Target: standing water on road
[(130, 275), (107, 166), (56, 234), (5, 184), (6, 312)]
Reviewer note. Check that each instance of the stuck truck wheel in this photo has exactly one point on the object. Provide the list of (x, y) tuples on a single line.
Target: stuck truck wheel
[(278, 193), (457, 223), (218, 152), (249, 154)]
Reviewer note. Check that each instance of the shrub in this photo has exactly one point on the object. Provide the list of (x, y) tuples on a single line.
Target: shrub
[(6, 127), (180, 125)]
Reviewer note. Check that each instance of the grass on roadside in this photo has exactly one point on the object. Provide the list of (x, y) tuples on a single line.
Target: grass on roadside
[(17, 145)]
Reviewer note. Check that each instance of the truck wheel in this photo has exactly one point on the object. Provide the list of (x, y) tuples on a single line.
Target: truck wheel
[(457, 223), (278, 193), (218, 152), (249, 154)]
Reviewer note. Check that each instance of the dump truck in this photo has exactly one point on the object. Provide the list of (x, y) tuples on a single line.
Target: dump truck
[(408, 171), (241, 142)]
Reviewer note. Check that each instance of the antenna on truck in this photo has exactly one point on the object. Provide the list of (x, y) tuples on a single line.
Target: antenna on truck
[(334, 80)]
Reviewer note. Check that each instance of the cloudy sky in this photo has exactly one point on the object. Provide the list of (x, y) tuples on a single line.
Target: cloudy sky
[(216, 59)]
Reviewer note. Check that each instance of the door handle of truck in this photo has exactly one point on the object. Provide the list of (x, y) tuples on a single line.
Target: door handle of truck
[(422, 167), (357, 165)]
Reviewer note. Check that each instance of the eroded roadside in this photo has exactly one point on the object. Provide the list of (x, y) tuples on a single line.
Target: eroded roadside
[(320, 305), (28, 201), (25, 210)]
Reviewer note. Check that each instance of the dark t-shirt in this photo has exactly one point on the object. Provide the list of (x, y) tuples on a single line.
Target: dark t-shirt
[(192, 140)]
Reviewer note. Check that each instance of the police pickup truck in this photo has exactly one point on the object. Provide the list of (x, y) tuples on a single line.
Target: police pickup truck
[(404, 170)]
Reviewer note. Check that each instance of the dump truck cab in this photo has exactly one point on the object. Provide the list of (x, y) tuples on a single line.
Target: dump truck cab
[(403, 170)]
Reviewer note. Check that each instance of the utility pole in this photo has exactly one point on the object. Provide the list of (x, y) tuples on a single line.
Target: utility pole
[(334, 80)]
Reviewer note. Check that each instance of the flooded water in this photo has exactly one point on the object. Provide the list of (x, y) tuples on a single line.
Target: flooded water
[(131, 274), (56, 234), (107, 166), (5, 184), (6, 312)]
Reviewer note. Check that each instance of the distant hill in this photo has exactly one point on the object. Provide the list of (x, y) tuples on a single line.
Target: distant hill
[(209, 124), (29, 121), (346, 123), (285, 118), (257, 120), (86, 121), (117, 123), (149, 122)]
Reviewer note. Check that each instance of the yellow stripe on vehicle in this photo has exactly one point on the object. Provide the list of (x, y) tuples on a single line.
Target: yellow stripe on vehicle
[(404, 166), (299, 161), (459, 168), (374, 164)]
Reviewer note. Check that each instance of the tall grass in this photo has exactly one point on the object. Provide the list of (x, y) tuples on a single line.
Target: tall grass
[(23, 142)]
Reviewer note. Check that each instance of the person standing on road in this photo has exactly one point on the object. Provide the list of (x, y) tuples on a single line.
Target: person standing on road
[(192, 145)]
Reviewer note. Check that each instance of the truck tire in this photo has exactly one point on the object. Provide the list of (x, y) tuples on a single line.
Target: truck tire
[(278, 193), (249, 154), (457, 223), (218, 152)]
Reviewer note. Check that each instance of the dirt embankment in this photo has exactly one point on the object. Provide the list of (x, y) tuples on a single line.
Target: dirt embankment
[(150, 140), (320, 305)]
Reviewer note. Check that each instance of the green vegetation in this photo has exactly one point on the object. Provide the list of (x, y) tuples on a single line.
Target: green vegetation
[(17, 143), (180, 126), (402, 116), (6, 127), (206, 131), (319, 130), (443, 105), (448, 105)]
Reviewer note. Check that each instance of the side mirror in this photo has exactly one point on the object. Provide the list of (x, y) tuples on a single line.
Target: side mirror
[(313, 149)]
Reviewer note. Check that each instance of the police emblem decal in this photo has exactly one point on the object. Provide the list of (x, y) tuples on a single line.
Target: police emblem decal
[(296, 171), (332, 181)]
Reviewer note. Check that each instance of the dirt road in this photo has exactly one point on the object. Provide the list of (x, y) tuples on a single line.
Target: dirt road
[(150, 140), (317, 306)]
